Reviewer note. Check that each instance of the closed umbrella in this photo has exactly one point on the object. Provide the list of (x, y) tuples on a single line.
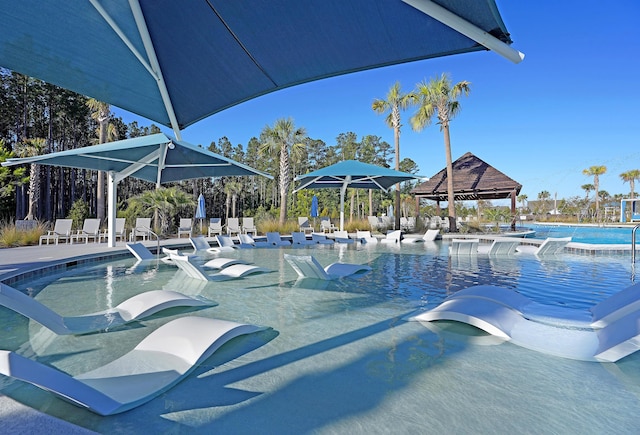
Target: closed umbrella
[(314, 208), (201, 211)]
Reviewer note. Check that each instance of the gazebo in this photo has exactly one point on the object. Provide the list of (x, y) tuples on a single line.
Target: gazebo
[(473, 180)]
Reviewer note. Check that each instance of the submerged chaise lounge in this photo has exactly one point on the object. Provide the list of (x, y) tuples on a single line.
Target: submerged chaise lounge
[(135, 308), (308, 267), (160, 361), (229, 272), (550, 246), (607, 332)]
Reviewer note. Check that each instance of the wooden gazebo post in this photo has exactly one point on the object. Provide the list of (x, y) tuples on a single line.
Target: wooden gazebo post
[(513, 209)]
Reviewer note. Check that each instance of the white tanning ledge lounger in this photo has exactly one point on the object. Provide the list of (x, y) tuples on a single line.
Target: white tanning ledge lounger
[(308, 267), (135, 308), (608, 332), (159, 362), (232, 271)]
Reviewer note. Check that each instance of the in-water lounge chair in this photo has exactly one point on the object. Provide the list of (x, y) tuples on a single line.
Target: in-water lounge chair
[(503, 246), (550, 246), (222, 262), (274, 239), (246, 241), (135, 308), (321, 239), (607, 332), (300, 239), (200, 244), (342, 237), (464, 247), (429, 236), (230, 272), (307, 266), (392, 237), (365, 237), (157, 363)]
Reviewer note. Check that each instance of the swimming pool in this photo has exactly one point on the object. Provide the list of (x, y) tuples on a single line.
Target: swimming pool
[(584, 233), (340, 357)]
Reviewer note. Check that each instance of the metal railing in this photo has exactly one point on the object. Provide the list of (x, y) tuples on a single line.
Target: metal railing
[(633, 244)]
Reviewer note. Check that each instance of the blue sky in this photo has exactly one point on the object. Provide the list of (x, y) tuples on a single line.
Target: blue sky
[(571, 104)]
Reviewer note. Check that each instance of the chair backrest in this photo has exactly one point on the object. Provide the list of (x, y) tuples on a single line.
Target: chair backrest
[(374, 222), (504, 247), (233, 224), (91, 226), (431, 235), (247, 223), (341, 234), (143, 224), (63, 226), (215, 223), (199, 243), (120, 224), (224, 241), (306, 266), (140, 251), (303, 222), (299, 238), (325, 223), (363, 235), (464, 246), (394, 236), (274, 238), (553, 245), (187, 266), (246, 239), (185, 223)]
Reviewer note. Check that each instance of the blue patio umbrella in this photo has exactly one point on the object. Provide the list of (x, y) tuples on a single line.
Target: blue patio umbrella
[(314, 206), (201, 211)]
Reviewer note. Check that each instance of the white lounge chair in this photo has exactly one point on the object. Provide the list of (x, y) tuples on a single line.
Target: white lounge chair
[(326, 226), (90, 229), (246, 241), (121, 231), (185, 227), (61, 231), (306, 266), (342, 237), (233, 226), (141, 229), (134, 308), (464, 247), (321, 239), (392, 237), (199, 243), (429, 236), (234, 271), (375, 222), (225, 243), (608, 332), (365, 237), (504, 246), (140, 251), (274, 239), (157, 363), (299, 238), (248, 226), (222, 262), (304, 224), (551, 246), (215, 226)]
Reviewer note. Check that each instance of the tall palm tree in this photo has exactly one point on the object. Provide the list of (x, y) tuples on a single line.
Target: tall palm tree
[(232, 189), (631, 176), (101, 113), (284, 137), (439, 97), (395, 101), (165, 202), (31, 148), (596, 171), (587, 190), (522, 199)]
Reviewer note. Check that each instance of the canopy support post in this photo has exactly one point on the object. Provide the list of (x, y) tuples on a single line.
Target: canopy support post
[(343, 190), (111, 209)]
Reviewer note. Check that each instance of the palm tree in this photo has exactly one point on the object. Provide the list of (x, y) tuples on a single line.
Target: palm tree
[(101, 113), (284, 137), (232, 189), (587, 189), (164, 202), (438, 96), (395, 102), (596, 171), (631, 176), (543, 197), (522, 199), (31, 148)]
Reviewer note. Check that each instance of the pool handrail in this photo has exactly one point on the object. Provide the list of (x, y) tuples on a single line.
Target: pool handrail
[(633, 243)]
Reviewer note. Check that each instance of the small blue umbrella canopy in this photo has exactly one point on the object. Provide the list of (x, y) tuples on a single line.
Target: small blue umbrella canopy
[(201, 210), (354, 174), (314, 206)]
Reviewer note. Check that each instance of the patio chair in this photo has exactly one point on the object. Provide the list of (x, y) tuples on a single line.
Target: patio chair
[(551, 246), (248, 226), (392, 237), (429, 236), (342, 237), (215, 226), (504, 246), (326, 226), (365, 237), (121, 231), (142, 229), (193, 270), (306, 266), (321, 239), (299, 238), (185, 227), (305, 225), (90, 229), (157, 363), (274, 239), (233, 226), (61, 231), (135, 308), (464, 246), (246, 241), (374, 222)]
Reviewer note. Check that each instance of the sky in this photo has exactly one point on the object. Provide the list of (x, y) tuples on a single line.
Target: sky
[(572, 103)]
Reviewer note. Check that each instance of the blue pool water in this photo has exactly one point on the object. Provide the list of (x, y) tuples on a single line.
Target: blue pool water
[(340, 357), (584, 233)]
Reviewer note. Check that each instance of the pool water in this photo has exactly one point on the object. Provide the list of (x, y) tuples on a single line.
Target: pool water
[(584, 233), (340, 357)]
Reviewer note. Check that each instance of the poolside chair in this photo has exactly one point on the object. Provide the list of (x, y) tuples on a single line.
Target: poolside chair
[(392, 237), (134, 308), (215, 226), (200, 244), (429, 236), (607, 332), (185, 227), (90, 229), (121, 231), (326, 226), (321, 239), (157, 363), (374, 222), (141, 229), (274, 239), (300, 239), (248, 226), (306, 266), (551, 246), (61, 231), (246, 241), (342, 237), (504, 246), (365, 237), (233, 226), (464, 247), (305, 225), (187, 265)]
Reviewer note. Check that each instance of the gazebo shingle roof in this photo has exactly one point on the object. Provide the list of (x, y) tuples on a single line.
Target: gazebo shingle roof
[(473, 179)]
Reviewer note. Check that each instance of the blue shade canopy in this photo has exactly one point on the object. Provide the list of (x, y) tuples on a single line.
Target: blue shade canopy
[(177, 62)]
